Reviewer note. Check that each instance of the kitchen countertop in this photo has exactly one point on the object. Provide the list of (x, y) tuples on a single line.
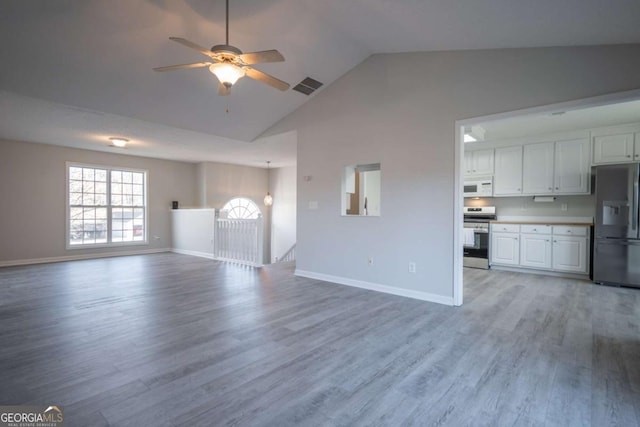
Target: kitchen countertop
[(579, 224)]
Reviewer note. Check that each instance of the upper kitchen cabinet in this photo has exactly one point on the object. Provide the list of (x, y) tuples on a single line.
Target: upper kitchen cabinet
[(478, 162), (616, 144), (561, 167), (572, 167), (614, 149), (507, 179), (537, 168)]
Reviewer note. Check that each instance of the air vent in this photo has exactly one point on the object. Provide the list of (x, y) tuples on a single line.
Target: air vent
[(307, 86)]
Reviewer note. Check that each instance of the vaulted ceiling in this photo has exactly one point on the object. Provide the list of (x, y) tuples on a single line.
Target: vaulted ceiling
[(88, 63)]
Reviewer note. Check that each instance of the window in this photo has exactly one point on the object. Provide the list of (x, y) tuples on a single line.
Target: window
[(241, 208), (106, 206)]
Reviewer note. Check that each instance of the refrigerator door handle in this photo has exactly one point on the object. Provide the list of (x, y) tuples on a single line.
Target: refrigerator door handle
[(634, 212), (619, 242)]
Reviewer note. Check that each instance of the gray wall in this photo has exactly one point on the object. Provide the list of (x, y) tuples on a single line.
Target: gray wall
[(33, 206), (220, 182), (282, 185), (400, 110)]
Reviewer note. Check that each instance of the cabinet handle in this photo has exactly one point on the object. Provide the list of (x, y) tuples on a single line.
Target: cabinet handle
[(628, 155), (547, 240), (555, 241), (550, 188), (518, 189), (474, 170), (557, 188), (568, 231), (535, 229)]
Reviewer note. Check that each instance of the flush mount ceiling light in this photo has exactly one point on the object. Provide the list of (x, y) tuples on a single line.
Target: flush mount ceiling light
[(118, 142), (268, 199)]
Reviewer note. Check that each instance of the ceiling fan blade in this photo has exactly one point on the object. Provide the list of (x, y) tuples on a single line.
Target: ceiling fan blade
[(266, 78), (223, 90), (183, 66), (263, 56), (192, 45)]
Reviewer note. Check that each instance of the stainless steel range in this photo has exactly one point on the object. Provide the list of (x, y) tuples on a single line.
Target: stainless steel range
[(476, 236)]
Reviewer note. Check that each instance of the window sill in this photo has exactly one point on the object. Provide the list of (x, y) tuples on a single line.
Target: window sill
[(107, 245)]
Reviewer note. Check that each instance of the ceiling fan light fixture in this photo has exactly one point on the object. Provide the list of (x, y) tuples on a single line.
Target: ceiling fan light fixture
[(227, 73)]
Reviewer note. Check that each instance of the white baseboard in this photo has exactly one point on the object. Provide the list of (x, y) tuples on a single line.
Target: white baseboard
[(16, 262), (423, 296), (193, 253), (541, 272)]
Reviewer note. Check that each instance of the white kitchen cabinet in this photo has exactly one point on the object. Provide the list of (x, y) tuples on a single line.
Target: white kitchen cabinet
[(572, 167), (555, 248), (505, 248), (507, 178), (537, 168), (570, 230), (570, 254), (478, 162), (535, 250), (613, 148), (636, 150), (350, 179), (561, 167)]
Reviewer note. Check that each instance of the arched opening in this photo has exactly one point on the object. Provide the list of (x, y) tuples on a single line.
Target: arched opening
[(242, 208)]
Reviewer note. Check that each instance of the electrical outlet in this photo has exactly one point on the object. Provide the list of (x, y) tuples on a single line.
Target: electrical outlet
[(563, 207), (370, 260), (412, 267)]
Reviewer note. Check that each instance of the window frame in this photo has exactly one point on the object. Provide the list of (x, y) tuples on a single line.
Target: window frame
[(108, 206), (258, 210)]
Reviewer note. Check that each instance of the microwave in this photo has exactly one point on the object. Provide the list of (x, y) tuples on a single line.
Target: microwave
[(478, 187)]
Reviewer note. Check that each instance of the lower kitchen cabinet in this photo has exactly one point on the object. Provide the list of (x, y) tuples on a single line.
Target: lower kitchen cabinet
[(505, 248), (558, 248), (535, 251), (570, 254)]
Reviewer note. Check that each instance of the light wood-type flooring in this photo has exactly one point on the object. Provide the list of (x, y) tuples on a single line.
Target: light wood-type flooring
[(169, 339)]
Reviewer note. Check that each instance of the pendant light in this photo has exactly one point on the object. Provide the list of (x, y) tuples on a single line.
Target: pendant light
[(268, 199)]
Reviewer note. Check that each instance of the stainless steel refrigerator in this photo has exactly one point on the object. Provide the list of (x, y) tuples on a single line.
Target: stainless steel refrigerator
[(616, 258)]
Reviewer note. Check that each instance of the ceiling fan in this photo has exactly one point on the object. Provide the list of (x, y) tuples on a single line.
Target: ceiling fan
[(229, 64)]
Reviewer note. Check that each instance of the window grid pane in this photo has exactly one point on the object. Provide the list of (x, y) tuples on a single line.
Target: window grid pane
[(89, 208), (241, 208)]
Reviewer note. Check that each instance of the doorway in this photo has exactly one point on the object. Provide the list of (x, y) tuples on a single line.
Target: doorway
[(521, 126)]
